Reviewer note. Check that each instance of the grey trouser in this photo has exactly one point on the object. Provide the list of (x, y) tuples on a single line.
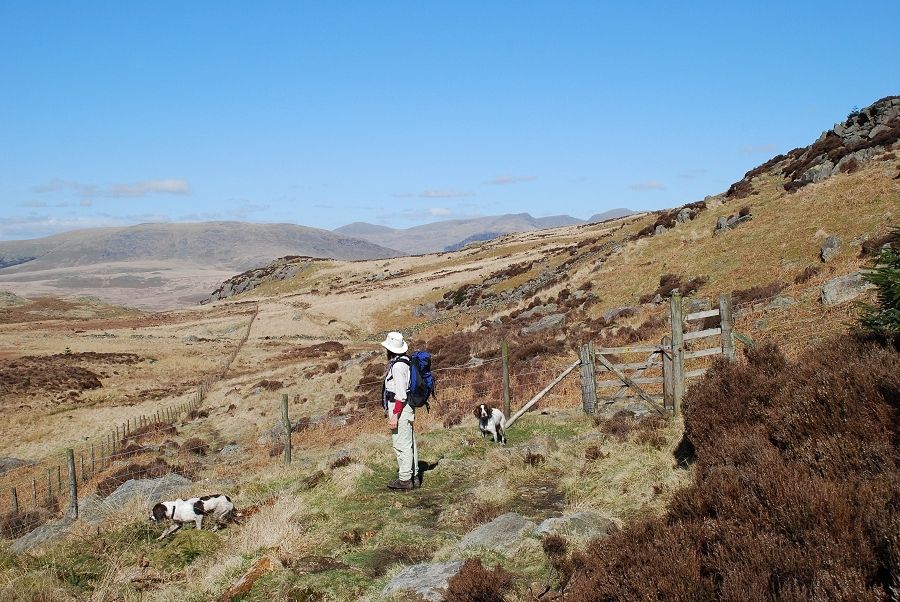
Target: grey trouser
[(404, 441)]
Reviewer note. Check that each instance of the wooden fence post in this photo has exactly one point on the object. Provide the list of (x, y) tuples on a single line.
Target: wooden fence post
[(49, 485), (34, 493), (666, 347), (287, 428), (677, 352), (588, 379), (58, 480), (92, 460), (73, 485), (81, 460), (504, 353), (727, 326), (14, 501)]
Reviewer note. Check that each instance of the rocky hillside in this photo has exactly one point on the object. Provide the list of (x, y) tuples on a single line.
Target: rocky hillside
[(865, 134)]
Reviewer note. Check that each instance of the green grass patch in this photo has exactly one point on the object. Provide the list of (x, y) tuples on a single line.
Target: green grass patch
[(186, 546)]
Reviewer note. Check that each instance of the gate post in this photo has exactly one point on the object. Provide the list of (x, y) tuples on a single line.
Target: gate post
[(504, 353), (665, 345), (588, 381), (727, 324), (73, 484), (287, 428), (677, 352)]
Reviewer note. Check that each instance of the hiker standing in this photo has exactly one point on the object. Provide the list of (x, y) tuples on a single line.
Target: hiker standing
[(400, 414)]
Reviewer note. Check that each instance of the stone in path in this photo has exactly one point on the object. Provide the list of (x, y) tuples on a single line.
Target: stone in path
[(428, 581), (580, 525), (502, 534)]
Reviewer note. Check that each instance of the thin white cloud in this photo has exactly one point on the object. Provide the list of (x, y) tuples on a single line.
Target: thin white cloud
[(58, 184), (690, 174), (35, 226), (648, 185), (138, 189), (509, 179), (439, 212), (750, 149), (444, 194), (176, 186)]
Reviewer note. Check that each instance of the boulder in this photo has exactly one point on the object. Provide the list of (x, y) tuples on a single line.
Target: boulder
[(426, 581), (540, 310), (819, 172), (546, 323), (721, 222), (230, 449), (7, 464), (94, 510), (780, 303), (685, 215), (844, 288), (502, 534), (700, 304), (427, 310), (581, 525), (830, 247), (618, 311), (43, 534), (660, 229)]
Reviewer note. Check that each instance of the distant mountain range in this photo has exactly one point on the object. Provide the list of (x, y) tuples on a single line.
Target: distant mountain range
[(162, 265), (449, 235), (158, 266)]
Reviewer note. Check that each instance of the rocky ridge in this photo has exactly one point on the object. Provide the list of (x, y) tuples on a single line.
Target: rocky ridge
[(864, 135)]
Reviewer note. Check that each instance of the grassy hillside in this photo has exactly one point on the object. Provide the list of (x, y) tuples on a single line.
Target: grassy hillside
[(330, 527)]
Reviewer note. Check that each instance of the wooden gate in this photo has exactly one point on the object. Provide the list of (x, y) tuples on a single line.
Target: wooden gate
[(658, 376)]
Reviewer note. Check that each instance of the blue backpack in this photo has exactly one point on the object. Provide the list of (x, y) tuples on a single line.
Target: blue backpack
[(421, 380)]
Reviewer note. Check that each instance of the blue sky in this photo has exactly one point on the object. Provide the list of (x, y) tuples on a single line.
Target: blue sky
[(400, 113)]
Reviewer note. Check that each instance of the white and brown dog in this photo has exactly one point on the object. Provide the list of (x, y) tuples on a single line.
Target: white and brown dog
[(192, 510), (491, 421)]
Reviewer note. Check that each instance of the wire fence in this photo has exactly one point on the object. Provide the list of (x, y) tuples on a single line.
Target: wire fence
[(39, 491)]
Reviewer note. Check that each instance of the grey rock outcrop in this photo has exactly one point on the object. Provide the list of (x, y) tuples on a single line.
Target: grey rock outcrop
[(580, 525), (723, 224), (540, 310), (502, 534), (699, 304), (7, 464), (93, 509), (44, 534), (546, 323), (780, 303), (830, 247), (660, 229), (427, 581), (280, 269), (844, 288), (427, 310), (616, 312)]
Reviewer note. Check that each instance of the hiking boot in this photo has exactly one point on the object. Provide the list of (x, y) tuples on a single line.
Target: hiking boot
[(400, 485)]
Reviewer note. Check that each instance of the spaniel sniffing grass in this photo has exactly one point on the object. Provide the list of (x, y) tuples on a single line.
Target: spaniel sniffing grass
[(491, 421), (193, 510)]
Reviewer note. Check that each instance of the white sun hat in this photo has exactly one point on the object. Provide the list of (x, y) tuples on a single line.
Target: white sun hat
[(394, 343)]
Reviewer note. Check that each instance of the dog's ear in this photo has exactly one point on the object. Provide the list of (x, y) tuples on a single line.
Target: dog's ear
[(159, 512), (477, 412)]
